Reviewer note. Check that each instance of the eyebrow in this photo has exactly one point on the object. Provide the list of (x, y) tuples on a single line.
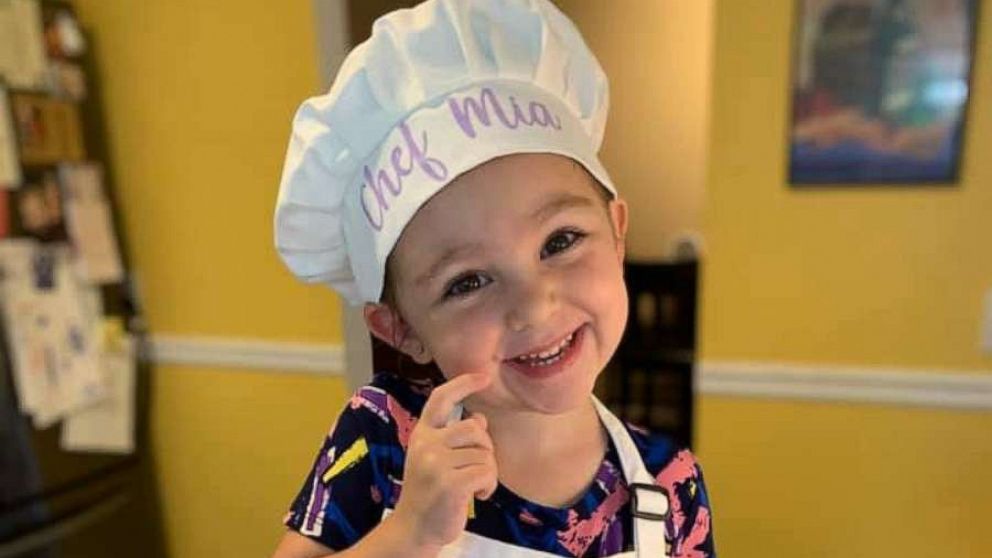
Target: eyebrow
[(552, 207), (560, 203), (449, 255)]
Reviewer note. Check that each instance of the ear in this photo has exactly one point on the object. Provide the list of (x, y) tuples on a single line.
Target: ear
[(618, 217), (388, 326)]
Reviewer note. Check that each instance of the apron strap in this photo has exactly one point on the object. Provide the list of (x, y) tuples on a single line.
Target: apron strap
[(649, 502)]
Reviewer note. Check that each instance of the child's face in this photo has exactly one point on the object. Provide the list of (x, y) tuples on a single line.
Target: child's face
[(515, 257)]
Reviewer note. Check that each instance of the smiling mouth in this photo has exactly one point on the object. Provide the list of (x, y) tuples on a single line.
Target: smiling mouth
[(548, 357)]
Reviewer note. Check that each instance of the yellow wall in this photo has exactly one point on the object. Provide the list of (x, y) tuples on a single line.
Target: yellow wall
[(199, 97), (657, 56), (858, 276), (232, 449), (827, 480)]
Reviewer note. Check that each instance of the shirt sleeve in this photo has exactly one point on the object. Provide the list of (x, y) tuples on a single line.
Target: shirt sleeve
[(691, 519), (340, 501)]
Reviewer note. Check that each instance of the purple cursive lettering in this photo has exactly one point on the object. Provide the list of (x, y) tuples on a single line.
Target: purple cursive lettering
[(487, 101), (387, 183)]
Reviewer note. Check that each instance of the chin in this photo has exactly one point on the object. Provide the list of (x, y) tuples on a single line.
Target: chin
[(553, 398), (561, 406)]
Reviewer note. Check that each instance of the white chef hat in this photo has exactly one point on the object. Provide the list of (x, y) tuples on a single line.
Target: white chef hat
[(436, 91)]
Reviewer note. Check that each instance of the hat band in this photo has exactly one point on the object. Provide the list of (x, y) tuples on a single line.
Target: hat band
[(471, 111)]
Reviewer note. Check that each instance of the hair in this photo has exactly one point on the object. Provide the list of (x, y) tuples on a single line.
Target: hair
[(392, 358), (404, 365)]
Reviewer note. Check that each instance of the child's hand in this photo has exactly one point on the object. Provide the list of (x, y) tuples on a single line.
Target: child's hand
[(446, 466)]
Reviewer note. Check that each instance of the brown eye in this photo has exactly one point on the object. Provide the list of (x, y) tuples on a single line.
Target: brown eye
[(561, 241), (466, 284)]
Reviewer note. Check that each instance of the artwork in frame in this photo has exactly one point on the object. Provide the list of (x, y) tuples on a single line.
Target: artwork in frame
[(880, 90)]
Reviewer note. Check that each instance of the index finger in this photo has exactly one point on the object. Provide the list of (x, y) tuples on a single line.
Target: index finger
[(444, 397)]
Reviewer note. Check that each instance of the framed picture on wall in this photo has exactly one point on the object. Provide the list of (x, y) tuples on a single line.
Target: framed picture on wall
[(880, 90)]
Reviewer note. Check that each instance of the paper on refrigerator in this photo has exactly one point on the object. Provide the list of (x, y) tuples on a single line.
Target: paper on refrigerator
[(49, 321), (109, 425), (88, 218), (10, 167), (28, 355), (23, 61)]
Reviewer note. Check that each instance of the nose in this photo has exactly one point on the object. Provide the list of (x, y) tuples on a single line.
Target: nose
[(534, 300)]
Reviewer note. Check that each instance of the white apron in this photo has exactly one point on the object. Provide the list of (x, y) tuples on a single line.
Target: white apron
[(649, 501)]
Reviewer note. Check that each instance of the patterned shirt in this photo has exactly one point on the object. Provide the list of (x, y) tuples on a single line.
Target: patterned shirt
[(359, 471)]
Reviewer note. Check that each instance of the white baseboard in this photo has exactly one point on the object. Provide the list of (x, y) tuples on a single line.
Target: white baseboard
[(888, 385), (324, 359), (946, 388)]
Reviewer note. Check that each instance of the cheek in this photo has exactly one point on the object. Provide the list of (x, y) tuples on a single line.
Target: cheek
[(599, 280), (466, 344), (599, 288)]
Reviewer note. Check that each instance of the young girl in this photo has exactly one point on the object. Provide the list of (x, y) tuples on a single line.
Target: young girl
[(449, 181)]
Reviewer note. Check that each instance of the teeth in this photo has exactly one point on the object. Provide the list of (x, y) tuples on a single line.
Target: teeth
[(550, 356)]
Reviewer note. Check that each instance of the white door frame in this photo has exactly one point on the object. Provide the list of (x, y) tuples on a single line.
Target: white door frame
[(333, 43)]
